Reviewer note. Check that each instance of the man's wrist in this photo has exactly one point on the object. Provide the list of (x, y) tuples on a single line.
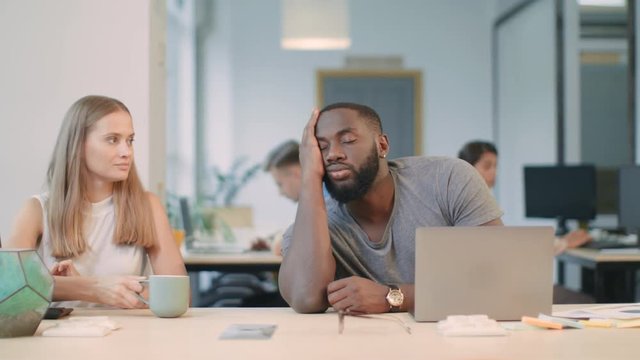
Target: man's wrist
[(311, 179), (311, 185), (394, 298)]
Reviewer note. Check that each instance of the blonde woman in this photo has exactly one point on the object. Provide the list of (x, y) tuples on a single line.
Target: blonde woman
[(96, 226)]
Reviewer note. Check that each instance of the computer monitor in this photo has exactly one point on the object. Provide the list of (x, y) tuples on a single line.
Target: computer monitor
[(607, 184), (560, 192), (629, 198)]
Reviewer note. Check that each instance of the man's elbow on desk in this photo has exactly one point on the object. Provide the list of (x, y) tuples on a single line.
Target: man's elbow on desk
[(308, 306), (303, 302)]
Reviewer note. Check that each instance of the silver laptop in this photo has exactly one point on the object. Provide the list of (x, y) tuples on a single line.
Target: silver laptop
[(504, 272)]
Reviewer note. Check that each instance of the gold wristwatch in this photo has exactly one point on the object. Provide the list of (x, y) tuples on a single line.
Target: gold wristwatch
[(395, 298)]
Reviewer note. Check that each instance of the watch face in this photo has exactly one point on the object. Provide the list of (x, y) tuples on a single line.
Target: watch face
[(395, 297)]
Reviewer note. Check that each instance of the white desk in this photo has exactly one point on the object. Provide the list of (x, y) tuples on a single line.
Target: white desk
[(195, 336)]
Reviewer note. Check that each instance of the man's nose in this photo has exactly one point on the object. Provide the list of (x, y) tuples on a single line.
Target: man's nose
[(335, 153)]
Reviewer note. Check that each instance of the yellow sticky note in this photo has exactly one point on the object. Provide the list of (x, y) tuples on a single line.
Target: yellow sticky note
[(601, 323), (629, 323)]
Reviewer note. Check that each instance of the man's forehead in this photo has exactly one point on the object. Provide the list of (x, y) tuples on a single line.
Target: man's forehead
[(338, 120), (339, 112)]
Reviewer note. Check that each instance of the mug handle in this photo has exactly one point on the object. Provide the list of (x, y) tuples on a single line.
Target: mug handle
[(143, 283)]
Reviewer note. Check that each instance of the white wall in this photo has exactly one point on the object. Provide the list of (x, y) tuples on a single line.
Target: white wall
[(268, 93), (527, 103), (54, 53)]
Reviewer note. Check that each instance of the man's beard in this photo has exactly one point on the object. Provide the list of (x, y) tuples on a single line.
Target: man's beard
[(354, 190)]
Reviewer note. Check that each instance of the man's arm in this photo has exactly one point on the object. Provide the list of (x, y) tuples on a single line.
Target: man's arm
[(308, 266), (363, 296)]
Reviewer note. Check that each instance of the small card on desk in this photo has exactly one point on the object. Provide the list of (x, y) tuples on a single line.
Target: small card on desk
[(248, 331)]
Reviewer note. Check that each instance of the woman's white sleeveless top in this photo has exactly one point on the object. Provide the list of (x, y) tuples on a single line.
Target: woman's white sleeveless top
[(103, 257)]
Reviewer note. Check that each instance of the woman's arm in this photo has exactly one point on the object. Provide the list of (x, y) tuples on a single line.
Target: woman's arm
[(164, 254), (27, 227), (113, 291), (117, 291)]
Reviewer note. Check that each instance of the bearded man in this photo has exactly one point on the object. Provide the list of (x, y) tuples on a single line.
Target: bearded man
[(355, 251)]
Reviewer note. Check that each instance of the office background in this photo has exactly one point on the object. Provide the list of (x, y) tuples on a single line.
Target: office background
[(260, 94)]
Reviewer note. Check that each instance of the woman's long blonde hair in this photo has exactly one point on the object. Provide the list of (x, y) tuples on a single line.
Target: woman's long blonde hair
[(66, 178)]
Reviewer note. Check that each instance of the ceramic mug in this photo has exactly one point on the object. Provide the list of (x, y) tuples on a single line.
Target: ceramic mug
[(168, 295)]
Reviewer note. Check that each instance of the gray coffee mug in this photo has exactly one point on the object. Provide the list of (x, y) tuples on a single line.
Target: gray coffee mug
[(168, 295)]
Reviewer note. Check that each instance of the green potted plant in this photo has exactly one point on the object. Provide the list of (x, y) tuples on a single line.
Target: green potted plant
[(217, 205)]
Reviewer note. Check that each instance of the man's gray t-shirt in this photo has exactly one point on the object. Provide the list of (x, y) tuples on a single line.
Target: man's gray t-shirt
[(429, 191)]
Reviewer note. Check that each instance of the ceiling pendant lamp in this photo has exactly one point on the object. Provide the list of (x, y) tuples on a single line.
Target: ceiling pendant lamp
[(315, 25)]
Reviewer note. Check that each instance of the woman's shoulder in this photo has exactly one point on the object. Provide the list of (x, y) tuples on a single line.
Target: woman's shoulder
[(154, 199), (155, 203), (35, 206), (28, 225), (41, 198)]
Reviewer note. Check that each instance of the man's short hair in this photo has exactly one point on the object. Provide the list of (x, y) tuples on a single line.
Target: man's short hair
[(372, 117), (472, 151), (287, 153)]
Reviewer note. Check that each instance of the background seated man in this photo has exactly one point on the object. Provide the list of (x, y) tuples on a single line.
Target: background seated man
[(283, 163), (355, 251)]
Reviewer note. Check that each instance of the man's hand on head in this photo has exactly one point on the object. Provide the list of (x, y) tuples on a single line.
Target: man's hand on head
[(358, 295), (310, 155)]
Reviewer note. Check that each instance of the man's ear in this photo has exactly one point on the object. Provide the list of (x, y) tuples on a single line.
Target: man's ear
[(383, 145)]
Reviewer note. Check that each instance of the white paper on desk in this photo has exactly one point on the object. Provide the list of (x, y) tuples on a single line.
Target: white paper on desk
[(82, 326), (620, 312), (73, 331), (248, 331)]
